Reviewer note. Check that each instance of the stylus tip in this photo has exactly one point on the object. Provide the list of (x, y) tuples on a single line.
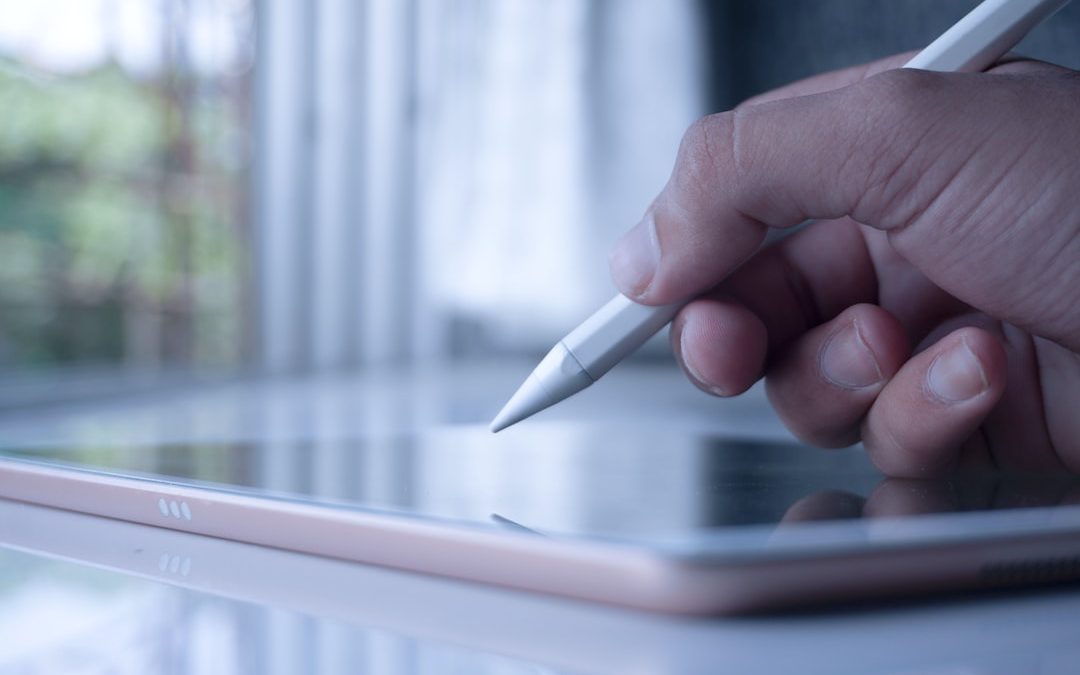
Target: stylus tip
[(529, 399)]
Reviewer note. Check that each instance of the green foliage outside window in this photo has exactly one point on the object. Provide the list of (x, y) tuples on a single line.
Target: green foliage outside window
[(122, 218)]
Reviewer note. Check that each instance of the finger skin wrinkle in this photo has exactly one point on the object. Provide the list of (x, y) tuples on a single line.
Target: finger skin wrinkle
[(974, 238), (707, 159), (946, 194), (906, 113), (885, 192), (752, 194), (736, 147), (696, 168), (987, 184), (1062, 265), (870, 139), (720, 140), (740, 166), (931, 210)]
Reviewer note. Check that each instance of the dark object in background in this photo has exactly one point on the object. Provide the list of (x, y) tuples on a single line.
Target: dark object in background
[(757, 45)]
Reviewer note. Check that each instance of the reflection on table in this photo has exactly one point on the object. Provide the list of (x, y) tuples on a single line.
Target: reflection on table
[(86, 594)]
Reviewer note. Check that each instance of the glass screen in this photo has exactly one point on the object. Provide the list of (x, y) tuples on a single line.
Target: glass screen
[(693, 493)]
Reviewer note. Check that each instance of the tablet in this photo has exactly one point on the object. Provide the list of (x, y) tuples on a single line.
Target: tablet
[(682, 523)]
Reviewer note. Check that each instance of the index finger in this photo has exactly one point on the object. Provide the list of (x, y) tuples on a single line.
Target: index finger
[(736, 175), (701, 219)]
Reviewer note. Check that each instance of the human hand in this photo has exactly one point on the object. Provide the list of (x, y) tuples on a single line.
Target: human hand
[(948, 219)]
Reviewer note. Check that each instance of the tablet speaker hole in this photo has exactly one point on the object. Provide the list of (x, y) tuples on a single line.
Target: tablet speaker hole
[(1042, 571)]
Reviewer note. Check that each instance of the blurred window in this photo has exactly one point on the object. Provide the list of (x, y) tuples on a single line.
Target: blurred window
[(374, 181), (123, 182)]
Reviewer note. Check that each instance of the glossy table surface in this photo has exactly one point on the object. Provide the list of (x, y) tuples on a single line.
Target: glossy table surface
[(84, 594)]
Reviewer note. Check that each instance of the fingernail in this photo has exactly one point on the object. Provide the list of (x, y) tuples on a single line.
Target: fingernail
[(634, 259), (847, 362), (956, 375), (687, 356)]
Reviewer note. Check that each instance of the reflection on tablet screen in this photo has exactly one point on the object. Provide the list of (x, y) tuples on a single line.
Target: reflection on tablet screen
[(571, 479)]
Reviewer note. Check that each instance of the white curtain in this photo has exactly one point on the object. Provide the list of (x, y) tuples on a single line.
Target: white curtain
[(438, 177), (544, 129)]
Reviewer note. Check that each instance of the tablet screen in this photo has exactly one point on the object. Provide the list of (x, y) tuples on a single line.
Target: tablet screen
[(693, 494)]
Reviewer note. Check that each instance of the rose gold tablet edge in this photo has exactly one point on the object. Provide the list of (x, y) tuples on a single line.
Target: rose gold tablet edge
[(583, 570), (586, 570)]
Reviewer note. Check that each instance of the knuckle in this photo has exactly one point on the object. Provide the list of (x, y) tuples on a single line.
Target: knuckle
[(899, 108), (900, 91), (897, 104), (704, 154)]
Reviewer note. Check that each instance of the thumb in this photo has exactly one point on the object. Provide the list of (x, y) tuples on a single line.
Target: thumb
[(971, 176)]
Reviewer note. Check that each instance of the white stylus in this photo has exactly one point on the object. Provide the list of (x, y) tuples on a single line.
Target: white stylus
[(621, 326)]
